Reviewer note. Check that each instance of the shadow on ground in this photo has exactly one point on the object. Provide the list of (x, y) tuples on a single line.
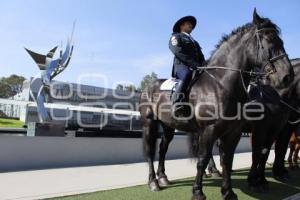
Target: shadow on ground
[(278, 190), (182, 189)]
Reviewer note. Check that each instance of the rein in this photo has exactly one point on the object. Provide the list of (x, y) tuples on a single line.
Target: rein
[(251, 73), (240, 71), (293, 109), (294, 122)]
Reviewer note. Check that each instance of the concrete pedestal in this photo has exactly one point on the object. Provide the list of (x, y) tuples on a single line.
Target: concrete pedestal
[(46, 129)]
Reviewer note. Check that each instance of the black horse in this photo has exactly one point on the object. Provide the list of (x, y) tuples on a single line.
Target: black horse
[(274, 127), (214, 101), (282, 139)]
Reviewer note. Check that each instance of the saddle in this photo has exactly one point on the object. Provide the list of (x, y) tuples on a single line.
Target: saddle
[(170, 84)]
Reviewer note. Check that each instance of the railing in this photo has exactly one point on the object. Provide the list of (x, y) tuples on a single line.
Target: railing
[(69, 108)]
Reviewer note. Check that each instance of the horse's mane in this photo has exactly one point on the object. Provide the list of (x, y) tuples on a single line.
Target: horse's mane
[(296, 62), (296, 65), (267, 23)]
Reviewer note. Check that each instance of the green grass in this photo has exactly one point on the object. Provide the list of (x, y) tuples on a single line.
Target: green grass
[(10, 123), (181, 190)]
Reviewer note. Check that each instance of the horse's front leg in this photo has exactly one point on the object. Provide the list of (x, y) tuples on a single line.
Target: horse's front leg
[(228, 145), (163, 148), (280, 172), (263, 183), (206, 142), (258, 138)]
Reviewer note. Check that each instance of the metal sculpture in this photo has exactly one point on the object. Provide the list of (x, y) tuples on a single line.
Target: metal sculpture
[(50, 68)]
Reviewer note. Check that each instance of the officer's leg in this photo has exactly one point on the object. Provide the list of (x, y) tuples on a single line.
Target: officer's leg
[(184, 75)]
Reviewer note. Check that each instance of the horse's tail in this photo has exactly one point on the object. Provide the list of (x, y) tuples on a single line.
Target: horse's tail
[(145, 101), (150, 124), (147, 97)]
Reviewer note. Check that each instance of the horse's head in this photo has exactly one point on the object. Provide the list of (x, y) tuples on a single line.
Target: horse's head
[(268, 54)]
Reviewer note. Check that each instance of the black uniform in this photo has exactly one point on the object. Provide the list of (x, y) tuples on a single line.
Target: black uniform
[(187, 55)]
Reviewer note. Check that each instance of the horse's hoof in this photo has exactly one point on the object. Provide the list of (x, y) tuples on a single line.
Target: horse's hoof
[(154, 186), (163, 181), (199, 197), (230, 196)]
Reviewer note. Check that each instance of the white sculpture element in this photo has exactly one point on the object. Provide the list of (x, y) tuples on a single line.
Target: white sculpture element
[(49, 69)]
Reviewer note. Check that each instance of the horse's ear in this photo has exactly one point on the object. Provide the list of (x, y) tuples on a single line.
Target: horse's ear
[(256, 18)]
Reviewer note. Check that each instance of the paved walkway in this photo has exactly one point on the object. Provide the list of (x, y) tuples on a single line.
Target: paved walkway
[(41, 184)]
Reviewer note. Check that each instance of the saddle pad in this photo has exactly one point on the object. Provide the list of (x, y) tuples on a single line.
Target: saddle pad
[(169, 84)]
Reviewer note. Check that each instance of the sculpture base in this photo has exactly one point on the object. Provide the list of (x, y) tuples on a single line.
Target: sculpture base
[(46, 129)]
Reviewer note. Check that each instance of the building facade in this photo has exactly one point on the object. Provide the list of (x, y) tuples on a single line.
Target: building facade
[(64, 93)]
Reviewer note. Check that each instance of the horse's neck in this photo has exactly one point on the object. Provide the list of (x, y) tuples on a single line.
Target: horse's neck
[(230, 55), (232, 59)]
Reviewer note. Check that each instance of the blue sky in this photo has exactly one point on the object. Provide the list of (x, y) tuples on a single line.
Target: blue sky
[(122, 39)]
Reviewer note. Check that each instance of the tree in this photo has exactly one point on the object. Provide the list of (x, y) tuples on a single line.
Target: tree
[(130, 88), (147, 80), (120, 87), (5, 91), (11, 85)]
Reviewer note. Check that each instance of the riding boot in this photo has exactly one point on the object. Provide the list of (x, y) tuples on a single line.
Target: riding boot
[(179, 96)]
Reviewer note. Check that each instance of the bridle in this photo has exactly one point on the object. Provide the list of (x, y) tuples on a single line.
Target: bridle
[(258, 74), (264, 72), (268, 68)]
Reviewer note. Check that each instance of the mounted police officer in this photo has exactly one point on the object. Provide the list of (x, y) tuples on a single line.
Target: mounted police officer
[(187, 57)]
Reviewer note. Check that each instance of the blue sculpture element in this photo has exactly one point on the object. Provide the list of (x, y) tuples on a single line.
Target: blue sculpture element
[(49, 69)]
